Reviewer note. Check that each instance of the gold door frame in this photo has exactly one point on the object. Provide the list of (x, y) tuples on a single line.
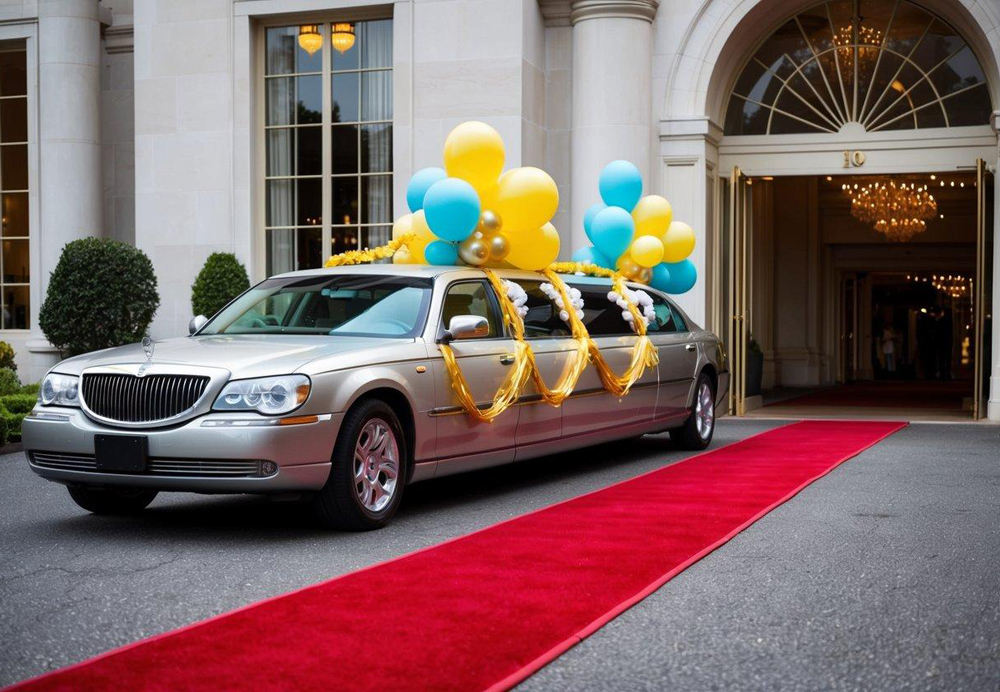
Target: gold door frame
[(983, 288), (740, 281)]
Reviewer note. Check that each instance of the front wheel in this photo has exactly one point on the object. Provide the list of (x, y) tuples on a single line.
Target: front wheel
[(696, 433), (111, 500), (367, 474)]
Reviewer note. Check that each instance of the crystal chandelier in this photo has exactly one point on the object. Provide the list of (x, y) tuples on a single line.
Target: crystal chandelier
[(342, 36), (869, 41), (897, 210), (309, 38)]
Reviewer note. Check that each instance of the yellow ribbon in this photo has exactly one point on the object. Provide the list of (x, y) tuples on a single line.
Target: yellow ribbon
[(370, 255)]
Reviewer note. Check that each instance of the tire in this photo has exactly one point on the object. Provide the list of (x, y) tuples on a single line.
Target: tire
[(111, 501), (696, 433), (360, 494)]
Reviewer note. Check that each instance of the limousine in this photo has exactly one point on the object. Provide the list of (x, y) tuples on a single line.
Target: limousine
[(330, 382)]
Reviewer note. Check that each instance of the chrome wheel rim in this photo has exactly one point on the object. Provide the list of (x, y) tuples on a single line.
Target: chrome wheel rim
[(704, 411), (376, 465)]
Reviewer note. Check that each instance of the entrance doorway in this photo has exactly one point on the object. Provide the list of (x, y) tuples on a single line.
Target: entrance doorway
[(838, 307)]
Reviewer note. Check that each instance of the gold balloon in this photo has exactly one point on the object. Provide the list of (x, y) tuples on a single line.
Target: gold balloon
[(489, 221), (474, 251), (645, 274), (628, 268), (499, 247)]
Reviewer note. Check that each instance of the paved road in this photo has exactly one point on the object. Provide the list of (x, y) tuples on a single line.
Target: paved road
[(881, 575)]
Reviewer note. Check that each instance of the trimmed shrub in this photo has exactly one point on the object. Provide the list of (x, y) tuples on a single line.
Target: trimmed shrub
[(31, 389), (9, 383), (101, 294), (18, 403), (219, 281), (12, 426), (4, 436), (7, 356)]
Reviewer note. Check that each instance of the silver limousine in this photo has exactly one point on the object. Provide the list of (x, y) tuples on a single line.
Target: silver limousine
[(331, 383)]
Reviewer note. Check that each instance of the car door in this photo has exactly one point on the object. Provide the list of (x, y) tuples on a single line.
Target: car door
[(678, 356), (485, 362), (592, 408)]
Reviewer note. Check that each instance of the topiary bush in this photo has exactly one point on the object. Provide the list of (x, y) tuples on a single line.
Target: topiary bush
[(18, 403), (31, 389), (219, 281), (9, 382), (7, 356), (101, 294)]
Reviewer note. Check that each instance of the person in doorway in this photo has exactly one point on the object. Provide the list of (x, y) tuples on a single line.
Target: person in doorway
[(943, 341), (889, 347)]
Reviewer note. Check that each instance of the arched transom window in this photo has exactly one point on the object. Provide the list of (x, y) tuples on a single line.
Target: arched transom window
[(882, 64)]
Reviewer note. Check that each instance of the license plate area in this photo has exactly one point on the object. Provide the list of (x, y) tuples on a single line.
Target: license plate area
[(121, 453)]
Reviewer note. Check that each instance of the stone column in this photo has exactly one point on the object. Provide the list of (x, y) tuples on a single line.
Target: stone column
[(612, 91)]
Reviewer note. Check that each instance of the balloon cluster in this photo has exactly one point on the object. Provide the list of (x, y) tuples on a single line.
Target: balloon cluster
[(637, 235), (471, 212)]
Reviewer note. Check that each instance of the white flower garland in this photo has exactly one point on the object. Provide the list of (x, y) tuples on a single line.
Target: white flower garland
[(637, 297), (517, 296), (575, 297)]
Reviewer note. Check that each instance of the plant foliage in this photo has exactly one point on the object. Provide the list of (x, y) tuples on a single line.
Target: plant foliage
[(219, 281)]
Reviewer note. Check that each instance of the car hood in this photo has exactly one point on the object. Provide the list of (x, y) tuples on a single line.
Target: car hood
[(248, 355)]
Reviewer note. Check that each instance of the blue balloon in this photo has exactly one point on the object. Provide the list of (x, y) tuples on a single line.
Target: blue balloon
[(588, 217), (683, 276), (451, 207), (441, 253), (661, 278), (611, 230), (620, 185), (419, 184), (594, 256)]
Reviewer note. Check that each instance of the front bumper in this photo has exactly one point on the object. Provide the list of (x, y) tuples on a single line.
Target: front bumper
[(188, 457)]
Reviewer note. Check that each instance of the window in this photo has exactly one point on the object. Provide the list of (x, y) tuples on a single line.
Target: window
[(542, 319), (886, 64), (14, 277), (328, 145), (668, 320), (601, 317), (471, 298)]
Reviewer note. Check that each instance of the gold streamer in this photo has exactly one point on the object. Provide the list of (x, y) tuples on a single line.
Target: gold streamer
[(370, 255)]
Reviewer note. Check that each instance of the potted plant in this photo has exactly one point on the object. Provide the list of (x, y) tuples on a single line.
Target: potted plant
[(755, 368)]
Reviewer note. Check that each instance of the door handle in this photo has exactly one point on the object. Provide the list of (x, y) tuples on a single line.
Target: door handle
[(690, 347), (506, 359)]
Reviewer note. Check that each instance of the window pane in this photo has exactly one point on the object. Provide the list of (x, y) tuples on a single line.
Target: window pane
[(14, 167), (284, 55), (470, 298), (309, 104), (970, 107), (294, 100), (376, 95), (343, 239), (345, 98), (280, 203), (280, 155), (14, 120), (280, 101), (345, 200), (376, 148), (15, 261), (373, 236), (348, 60), (344, 154), (15, 307), (543, 317), (375, 42), (309, 253), (15, 214), (376, 199), (601, 316), (280, 251), (310, 150), (13, 73), (310, 201)]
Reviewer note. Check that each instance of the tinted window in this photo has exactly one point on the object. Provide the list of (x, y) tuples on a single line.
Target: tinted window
[(543, 316), (601, 316), (470, 298), (667, 318)]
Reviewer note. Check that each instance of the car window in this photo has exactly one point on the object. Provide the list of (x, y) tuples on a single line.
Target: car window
[(470, 298), (600, 315), (542, 319), (668, 319)]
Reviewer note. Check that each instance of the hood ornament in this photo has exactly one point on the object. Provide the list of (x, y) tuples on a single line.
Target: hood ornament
[(147, 347)]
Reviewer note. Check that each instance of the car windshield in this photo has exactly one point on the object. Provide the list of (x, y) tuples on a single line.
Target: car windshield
[(387, 306)]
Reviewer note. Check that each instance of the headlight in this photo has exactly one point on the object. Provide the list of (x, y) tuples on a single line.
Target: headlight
[(60, 390), (270, 395)]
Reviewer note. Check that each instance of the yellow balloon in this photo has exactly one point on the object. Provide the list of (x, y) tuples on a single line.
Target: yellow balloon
[(403, 256), (404, 224), (534, 250), (652, 215), (678, 242), (474, 152), (418, 224), (526, 198), (647, 251)]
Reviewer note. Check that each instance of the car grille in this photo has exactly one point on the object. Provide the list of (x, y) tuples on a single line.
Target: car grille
[(203, 468), (131, 399)]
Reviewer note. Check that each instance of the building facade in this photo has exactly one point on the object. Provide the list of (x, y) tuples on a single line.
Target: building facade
[(193, 126)]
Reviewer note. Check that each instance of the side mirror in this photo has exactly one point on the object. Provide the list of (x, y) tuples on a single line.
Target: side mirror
[(467, 327), (196, 323)]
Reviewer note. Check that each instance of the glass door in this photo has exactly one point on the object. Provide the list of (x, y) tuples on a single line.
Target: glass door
[(848, 329), (740, 272), (983, 290)]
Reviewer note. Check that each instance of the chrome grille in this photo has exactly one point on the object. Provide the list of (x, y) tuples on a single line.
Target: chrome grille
[(204, 468), (131, 399), (64, 461)]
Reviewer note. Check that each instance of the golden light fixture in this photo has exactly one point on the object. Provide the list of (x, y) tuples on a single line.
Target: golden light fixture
[(869, 41), (897, 210), (342, 37), (309, 38)]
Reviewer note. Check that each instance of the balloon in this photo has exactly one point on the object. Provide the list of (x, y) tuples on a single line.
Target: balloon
[(647, 251), (611, 231), (452, 209), (489, 221), (441, 253), (474, 152), (403, 256), (628, 268), (594, 256), (661, 278), (403, 225), (474, 251), (683, 276), (620, 185), (678, 242), (645, 274), (652, 216), (418, 224), (419, 184), (499, 247), (588, 217), (536, 249), (526, 198)]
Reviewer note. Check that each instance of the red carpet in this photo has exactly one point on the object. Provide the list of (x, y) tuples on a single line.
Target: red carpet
[(488, 609)]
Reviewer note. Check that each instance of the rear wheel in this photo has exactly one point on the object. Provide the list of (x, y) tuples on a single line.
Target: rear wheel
[(111, 500), (697, 431), (368, 470)]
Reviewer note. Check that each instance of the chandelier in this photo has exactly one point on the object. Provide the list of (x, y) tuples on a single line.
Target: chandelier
[(869, 41), (898, 210), (310, 39), (342, 36)]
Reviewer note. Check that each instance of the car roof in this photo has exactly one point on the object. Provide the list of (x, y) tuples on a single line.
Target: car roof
[(430, 271)]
